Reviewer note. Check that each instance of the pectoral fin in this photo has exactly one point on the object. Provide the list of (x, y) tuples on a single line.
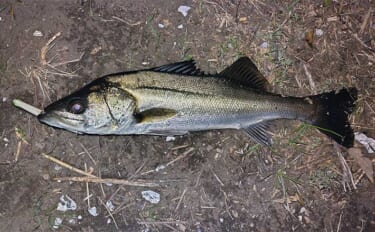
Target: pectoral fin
[(258, 132), (154, 115)]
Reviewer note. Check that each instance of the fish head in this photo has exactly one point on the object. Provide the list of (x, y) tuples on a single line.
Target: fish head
[(94, 109)]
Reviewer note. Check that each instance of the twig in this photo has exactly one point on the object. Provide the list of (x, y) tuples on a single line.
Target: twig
[(26, 107), (186, 153), (365, 21), (179, 202), (126, 22), (217, 178), (88, 153), (109, 212), (87, 190), (362, 43), (18, 151), (68, 166), (309, 77), (45, 48), (140, 183), (347, 176), (161, 222)]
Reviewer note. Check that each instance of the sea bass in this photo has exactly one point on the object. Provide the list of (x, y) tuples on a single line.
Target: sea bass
[(177, 98)]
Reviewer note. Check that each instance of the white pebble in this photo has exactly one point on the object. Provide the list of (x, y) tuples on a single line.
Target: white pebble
[(4, 99), (57, 223), (37, 34), (66, 203), (180, 26), (151, 196), (160, 167), (93, 211), (319, 32), (221, 220), (264, 45), (79, 217), (170, 138), (110, 205), (57, 167), (6, 140), (109, 221), (184, 10), (160, 25)]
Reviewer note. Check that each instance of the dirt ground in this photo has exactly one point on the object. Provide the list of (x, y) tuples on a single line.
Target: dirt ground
[(208, 181)]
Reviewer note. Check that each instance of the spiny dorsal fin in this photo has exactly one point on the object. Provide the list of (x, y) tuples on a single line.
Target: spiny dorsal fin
[(154, 115), (244, 72), (259, 133), (183, 68)]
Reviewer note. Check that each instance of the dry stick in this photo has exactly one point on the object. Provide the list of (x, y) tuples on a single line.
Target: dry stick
[(179, 202), (108, 180), (18, 151), (26, 107), (87, 152), (45, 48), (365, 21), (161, 222), (186, 153), (109, 212), (87, 190), (68, 166), (309, 77)]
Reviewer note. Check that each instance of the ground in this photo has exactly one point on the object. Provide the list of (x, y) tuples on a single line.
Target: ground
[(208, 181)]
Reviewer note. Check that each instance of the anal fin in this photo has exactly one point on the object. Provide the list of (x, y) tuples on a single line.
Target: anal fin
[(259, 133)]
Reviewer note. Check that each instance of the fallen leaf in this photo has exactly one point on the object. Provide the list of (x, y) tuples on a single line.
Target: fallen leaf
[(364, 163), (309, 37)]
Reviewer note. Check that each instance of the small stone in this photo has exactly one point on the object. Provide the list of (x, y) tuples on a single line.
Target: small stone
[(221, 220), (319, 32), (37, 34), (93, 211), (180, 26), (57, 223), (264, 45), (170, 138), (4, 99), (184, 10), (160, 25), (151, 196), (79, 217), (6, 140), (110, 205), (109, 221)]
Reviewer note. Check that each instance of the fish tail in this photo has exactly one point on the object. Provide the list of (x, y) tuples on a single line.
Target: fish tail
[(332, 112)]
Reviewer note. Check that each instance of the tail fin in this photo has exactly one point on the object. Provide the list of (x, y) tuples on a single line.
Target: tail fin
[(333, 110)]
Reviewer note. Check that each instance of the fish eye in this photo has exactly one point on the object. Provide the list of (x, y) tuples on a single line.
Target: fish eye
[(76, 106)]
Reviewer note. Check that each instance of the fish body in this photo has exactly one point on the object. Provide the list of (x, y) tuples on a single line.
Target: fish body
[(178, 98)]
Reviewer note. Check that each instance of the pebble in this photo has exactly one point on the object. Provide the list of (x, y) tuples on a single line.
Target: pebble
[(66, 203), (184, 10), (170, 138), (319, 32), (264, 45), (151, 196), (160, 25), (93, 211), (37, 34), (180, 26), (57, 223)]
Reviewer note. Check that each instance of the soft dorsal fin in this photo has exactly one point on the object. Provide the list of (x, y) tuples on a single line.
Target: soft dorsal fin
[(259, 133), (244, 72), (183, 68)]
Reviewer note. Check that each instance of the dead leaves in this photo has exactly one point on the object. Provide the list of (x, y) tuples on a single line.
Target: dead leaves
[(364, 163)]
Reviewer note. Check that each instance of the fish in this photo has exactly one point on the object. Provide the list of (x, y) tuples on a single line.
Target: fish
[(179, 98)]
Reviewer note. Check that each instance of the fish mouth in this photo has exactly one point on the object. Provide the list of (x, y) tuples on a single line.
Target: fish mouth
[(59, 121)]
